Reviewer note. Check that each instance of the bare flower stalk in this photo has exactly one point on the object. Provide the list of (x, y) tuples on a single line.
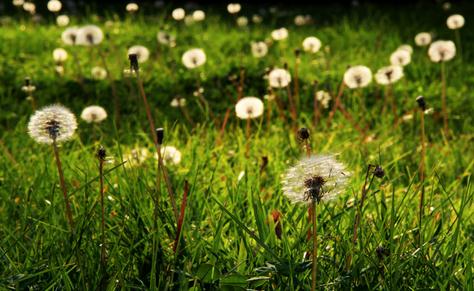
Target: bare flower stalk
[(335, 106), (247, 135), (443, 99), (315, 249), (63, 184), (422, 107), (296, 83), (316, 107), (101, 154), (240, 88)]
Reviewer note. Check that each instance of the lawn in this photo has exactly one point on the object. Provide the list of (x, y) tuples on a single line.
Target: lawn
[(213, 210)]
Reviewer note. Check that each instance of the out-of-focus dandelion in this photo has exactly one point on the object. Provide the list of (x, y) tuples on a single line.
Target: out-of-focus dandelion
[(300, 20), (60, 55), (18, 3), (94, 114), (455, 21), (29, 88), (280, 34), (193, 58), (257, 19), (69, 35), (423, 39), (234, 8), (311, 44), (52, 125), (442, 51), (242, 21), (387, 76), (199, 15), (62, 20), (136, 156), (89, 35), (259, 49), (131, 7), (142, 53), (279, 78), (98, 73), (248, 108), (315, 179), (178, 102), (178, 14), (357, 77), (54, 5), (400, 58), (165, 38), (406, 47), (323, 97), (29, 7), (170, 155)]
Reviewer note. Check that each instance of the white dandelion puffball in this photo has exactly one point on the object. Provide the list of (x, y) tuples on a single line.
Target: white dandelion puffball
[(193, 58), (89, 35), (18, 3), (242, 21), (54, 5), (165, 38), (98, 73), (136, 156), (178, 102), (69, 35), (29, 7), (199, 15), (259, 49), (178, 14), (279, 78), (257, 19), (455, 21), (233, 8), (316, 178), (52, 123), (59, 55), (170, 155), (423, 39), (442, 51), (131, 7), (142, 53), (357, 77), (62, 20), (93, 114), (311, 44), (280, 34), (300, 20), (389, 75), (400, 58), (323, 97), (249, 107), (406, 47)]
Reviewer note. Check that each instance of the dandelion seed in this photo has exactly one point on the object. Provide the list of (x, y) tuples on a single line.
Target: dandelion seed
[(131, 7), (400, 58), (234, 8), (389, 75), (98, 73), (178, 14), (54, 5), (94, 114), (311, 44), (442, 51), (199, 15), (280, 34), (59, 55), (455, 21), (52, 123), (357, 77), (142, 53), (249, 107), (279, 78), (62, 20), (193, 58), (423, 39), (89, 35), (259, 49), (314, 179)]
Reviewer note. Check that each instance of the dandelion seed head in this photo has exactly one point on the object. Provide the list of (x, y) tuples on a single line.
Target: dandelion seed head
[(18, 3), (357, 77), (406, 47), (178, 102), (142, 53), (233, 8), (193, 58), (279, 78), (69, 35), (311, 44), (442, 51), (94, 114), (257, 19), (131, 7), (400, 58), (242, 21), (89, 35), (165, 38), (280, 34), (249, 107), (54, 122), (259, 49), (62, 20), (59, 55), (389, 75), (199, 15), (178, 14), (423, 39), (54, 5), (315, 178), (170, 155), (98, 73), (323, 97), (455, 21)]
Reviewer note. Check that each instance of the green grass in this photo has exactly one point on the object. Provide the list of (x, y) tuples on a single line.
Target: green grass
[(228, 241)]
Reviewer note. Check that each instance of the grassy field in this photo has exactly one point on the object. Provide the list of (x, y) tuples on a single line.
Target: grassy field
[(233, 228)]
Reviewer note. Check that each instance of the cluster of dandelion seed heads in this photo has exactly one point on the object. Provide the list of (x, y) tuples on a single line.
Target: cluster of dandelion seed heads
[(52, 123), (318, 178)]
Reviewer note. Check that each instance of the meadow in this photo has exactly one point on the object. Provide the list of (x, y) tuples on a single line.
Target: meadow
[(207, 202)]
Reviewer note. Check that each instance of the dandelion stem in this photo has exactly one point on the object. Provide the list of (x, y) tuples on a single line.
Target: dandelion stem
[(457, 36), (247, 135), (422, 170), (296, 84), (63, 185), (103, 259), (443, 99), (337, 101), (224, 123), (240, 88), (392, 101), (315, 248), (316, 108)]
